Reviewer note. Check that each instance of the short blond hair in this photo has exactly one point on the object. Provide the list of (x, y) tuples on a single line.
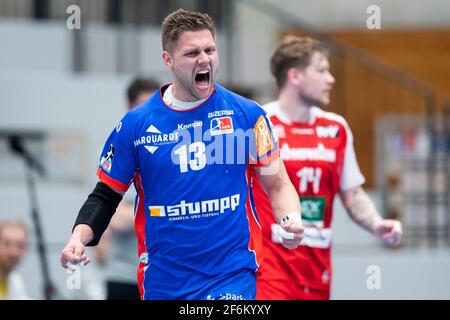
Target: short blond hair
[(182, 20), (293, 52)]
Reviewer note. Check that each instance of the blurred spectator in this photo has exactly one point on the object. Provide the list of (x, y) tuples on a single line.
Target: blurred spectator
[(117, 249), (13, 246), (139, 90)]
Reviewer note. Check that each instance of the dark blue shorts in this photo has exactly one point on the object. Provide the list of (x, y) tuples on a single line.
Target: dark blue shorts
[(237, 286)]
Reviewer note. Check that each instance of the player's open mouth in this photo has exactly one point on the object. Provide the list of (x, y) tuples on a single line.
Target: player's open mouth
[(202, 78)]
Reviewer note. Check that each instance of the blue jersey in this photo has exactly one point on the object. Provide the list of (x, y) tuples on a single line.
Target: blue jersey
[(197, 228)]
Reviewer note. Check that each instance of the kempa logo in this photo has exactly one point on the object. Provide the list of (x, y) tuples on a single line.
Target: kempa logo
[(195, 124), (189, 209), (327, 132)]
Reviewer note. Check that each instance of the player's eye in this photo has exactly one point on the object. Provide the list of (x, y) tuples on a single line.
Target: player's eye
[(191, 54)]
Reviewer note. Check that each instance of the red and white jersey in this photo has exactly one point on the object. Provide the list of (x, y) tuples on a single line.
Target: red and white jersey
[(320, 161)]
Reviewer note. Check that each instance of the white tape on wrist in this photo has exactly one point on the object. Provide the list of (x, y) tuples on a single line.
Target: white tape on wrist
[(291, 216), (285, 235)]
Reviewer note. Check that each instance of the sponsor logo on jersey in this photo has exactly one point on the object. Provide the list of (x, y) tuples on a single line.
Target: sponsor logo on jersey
[(327, 131), (317, 237), (157, 211), (303, 131), (193, 210), (155, 138), (119, 126), (313, 209), (225, 296), (220, 113), (195, 124), (314, 154), (264, 139), (221, 126), (106, 160), (312, 237)]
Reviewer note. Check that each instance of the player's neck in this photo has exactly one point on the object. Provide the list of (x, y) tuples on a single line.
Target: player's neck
[(183, 95), (293, 107), (177, 104)]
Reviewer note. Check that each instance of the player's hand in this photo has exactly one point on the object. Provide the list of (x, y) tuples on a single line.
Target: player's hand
[(291, 231), (73, 254), (389, 231)]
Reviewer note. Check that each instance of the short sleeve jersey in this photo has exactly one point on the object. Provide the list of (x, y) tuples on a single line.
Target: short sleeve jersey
[(192, 170), (320, 161)]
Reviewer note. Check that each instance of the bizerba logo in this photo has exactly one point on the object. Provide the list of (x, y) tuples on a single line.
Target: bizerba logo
[(220, 113), (201, 209)]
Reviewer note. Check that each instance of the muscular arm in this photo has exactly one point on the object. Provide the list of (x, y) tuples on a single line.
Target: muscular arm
[(282, 195), (284, 201), (361, 208)]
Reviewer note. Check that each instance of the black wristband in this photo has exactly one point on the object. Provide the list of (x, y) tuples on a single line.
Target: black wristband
[(98, 210)]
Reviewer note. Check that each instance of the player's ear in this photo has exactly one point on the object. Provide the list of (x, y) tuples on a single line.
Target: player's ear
[(167, 58), (294, 76)]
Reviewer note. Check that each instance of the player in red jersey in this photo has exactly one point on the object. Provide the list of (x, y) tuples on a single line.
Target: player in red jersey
[(317, 149)]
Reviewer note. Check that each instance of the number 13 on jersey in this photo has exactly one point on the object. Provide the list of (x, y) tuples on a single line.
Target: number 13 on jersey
[(193, 157)]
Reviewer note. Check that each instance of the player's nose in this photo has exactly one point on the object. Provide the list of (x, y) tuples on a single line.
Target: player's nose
[(203, 58)]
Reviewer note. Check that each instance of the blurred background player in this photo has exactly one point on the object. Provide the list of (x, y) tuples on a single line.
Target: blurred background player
[(13, 246), (317, 149), (117, 251)]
